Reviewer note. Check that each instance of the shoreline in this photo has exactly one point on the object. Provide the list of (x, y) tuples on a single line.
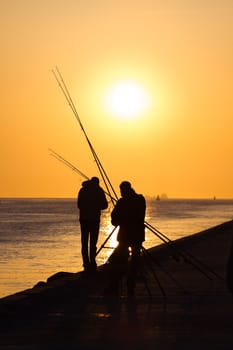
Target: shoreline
[(190, 307)]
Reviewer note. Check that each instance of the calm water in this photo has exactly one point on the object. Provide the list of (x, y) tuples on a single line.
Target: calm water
[(39, 237)]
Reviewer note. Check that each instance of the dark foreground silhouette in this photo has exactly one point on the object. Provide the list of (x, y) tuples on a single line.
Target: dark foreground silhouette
[(90, 201), (70, 311), (230, 269)]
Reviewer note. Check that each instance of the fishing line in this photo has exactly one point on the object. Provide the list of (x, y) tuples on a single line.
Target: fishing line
[(67, 95)]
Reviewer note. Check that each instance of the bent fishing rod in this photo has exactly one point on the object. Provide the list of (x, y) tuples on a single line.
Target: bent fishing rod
[(197, 263)]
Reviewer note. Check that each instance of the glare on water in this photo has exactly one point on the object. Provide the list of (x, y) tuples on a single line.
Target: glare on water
[(39, 238)]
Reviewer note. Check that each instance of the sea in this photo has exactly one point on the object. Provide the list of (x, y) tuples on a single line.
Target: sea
[(40, 237)]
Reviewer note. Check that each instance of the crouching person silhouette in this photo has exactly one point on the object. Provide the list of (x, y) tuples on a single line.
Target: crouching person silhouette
[(91, 200), (129, 215)]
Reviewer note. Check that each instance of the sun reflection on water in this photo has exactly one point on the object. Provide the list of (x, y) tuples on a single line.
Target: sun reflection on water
[(107, 240)]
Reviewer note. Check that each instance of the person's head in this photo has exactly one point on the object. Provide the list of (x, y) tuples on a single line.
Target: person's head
[(125, 188), (95, 180)]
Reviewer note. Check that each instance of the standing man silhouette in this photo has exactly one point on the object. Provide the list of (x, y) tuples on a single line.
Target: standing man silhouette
[(91, 200), (129, 215)]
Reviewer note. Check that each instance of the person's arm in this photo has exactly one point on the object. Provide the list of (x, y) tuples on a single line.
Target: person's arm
[(115, 214), (79, 199), (103, 200)]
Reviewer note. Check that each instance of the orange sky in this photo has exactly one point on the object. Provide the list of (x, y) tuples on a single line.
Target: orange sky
[(180, 51)]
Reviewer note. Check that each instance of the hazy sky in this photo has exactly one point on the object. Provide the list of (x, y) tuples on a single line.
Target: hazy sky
[(179, 51)]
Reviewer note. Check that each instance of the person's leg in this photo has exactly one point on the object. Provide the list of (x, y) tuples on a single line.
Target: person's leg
[(118, 262), (84, 244), (94, 234), (134, 265)]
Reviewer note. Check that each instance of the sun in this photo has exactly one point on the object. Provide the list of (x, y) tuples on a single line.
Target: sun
[(126, 99)]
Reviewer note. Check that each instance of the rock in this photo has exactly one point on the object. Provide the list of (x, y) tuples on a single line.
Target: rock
[(40, 284), (60, 275)]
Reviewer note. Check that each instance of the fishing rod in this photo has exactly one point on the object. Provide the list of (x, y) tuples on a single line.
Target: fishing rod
[(151, 228), (67, 95), (64, 161), (72, 167), (106, 240), (191, 256), (174, 249)]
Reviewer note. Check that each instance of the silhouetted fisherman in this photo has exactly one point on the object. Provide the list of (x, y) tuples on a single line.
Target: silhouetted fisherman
[(91, 200), (129, 215)]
